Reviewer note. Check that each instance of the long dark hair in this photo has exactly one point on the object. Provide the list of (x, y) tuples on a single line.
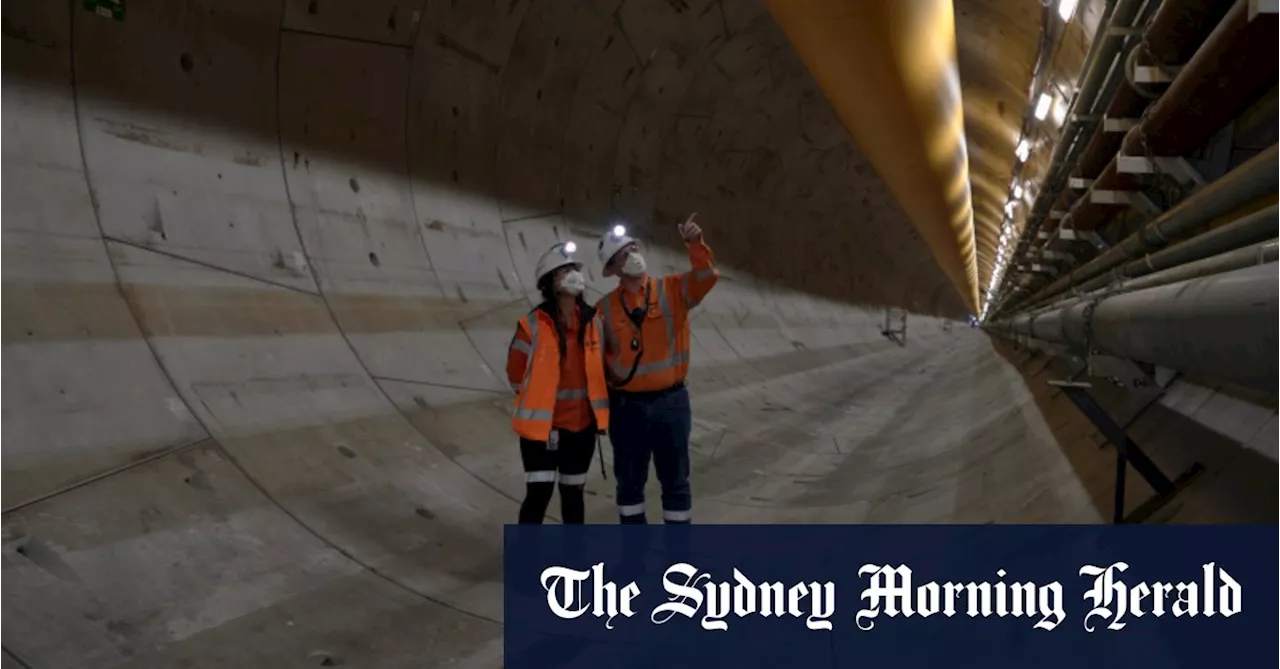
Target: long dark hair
[(551, 306)]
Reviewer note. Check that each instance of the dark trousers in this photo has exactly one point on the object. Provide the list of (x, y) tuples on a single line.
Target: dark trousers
[(653, 425), (543, 467)]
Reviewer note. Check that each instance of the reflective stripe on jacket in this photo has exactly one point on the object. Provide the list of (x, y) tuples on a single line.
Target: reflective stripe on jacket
[(664, 335), (534, 370)]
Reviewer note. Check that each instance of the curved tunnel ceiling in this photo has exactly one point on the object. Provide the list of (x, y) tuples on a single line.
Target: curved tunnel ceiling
[(262, 262), (589, 112), (997, 43)]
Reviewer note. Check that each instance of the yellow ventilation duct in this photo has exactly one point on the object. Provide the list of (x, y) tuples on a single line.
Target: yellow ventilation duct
[(889, 69)]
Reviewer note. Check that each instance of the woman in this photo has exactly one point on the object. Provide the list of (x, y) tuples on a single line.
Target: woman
[(556, 367)]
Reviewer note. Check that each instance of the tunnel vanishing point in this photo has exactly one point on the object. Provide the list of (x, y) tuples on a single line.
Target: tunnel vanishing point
[(263, 261)]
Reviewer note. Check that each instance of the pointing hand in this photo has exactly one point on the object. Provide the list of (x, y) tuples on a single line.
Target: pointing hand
[(690, 231)]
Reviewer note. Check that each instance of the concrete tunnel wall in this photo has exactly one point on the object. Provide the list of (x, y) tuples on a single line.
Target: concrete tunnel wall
[(262, 262)]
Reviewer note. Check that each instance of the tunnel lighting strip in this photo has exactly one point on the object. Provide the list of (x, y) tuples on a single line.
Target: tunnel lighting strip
[(1022, 152), (1042, 107), (1067, 9)]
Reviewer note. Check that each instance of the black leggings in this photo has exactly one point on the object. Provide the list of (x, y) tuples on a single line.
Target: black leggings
[(568, 465)]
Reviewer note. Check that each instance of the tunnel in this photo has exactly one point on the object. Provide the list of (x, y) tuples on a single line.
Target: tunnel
[(263, 262)]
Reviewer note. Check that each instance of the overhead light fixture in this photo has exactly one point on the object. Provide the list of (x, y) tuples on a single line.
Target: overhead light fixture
[(1067, 9), (1023, 151), (1043, 105)]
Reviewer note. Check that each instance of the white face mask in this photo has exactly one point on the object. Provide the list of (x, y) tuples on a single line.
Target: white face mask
[(573, 283), (634, 265)]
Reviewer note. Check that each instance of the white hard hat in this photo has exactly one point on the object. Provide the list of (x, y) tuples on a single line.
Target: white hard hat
[(557, 256), (613, 241)]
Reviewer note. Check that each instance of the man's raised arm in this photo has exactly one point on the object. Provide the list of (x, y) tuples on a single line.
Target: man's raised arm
[(702, 276)]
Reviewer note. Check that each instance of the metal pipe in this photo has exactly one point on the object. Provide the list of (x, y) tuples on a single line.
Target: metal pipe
[(1076, 157), (1222, 326), (1245, 256), (1115, 74), (1121, 17), (1232, 68), (1258, 122), (1098, 63), (1229, 69), (1091, 78), (1248, 229), (1072, 143), (1250, 181), (1176, 30)]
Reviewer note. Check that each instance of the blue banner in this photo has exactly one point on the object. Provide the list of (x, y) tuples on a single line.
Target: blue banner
[(986, 596)]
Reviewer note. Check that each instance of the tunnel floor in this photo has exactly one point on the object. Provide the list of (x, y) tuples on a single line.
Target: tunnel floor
[(233, 556)]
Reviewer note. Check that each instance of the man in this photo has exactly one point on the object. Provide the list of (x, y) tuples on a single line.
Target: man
[(646, 333)]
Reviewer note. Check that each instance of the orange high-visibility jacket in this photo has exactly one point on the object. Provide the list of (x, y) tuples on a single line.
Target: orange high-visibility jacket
[(550, 389), (663, 337)]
